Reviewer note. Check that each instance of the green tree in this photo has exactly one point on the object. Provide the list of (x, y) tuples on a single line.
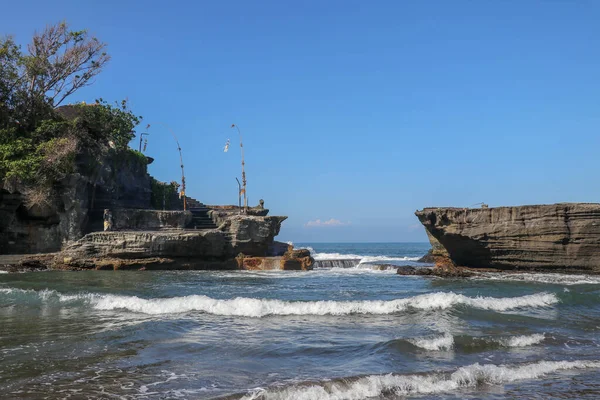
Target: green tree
[(59, 61), (40, 144)]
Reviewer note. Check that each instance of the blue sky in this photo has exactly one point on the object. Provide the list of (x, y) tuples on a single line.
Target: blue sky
[(355, 113)]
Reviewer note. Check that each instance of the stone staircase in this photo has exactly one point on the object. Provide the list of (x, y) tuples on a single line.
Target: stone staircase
[(200, 217)]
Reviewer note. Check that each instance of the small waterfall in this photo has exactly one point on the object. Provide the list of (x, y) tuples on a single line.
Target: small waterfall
[(348, 263)]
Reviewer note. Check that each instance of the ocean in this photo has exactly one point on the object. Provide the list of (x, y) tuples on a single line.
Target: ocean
[(344, 331)]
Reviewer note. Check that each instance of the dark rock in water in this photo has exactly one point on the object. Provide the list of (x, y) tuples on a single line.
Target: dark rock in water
[(410, 270), (384, 267), (542, 237), (406, 270), (427, 258), (450, 272), (25, 263), (441, 272)]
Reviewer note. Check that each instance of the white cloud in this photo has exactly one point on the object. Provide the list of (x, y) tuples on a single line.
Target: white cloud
[(330, 222)]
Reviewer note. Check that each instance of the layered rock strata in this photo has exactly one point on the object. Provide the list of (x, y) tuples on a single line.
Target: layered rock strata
[(558, 236), (241, 242)]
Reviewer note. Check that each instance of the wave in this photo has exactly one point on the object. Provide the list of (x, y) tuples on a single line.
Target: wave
[(360, 259), (46, 295), (522, 341), (445, 342), (254, 307), (551, 278), (372, 386), (251, 307), (448, 342)]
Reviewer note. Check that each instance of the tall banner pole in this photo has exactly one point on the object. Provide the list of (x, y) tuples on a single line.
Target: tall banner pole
[(243, 169), (180, 162)]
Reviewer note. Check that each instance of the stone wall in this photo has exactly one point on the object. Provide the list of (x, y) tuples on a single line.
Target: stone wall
[(135, 219)]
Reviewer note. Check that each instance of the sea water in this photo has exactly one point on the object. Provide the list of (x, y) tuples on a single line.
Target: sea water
[(353, 332)]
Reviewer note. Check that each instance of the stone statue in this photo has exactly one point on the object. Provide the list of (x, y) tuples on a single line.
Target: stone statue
[(261, 204), (108, 220)]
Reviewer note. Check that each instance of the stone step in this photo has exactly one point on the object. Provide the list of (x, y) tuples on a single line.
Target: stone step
[(193, 203), (200, 227)]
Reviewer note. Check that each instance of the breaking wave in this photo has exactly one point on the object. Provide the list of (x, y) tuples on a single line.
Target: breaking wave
[(522, 341), (360, 259), (372, 386), (252, 307), (556, 279), (448, 342), (445, 342)]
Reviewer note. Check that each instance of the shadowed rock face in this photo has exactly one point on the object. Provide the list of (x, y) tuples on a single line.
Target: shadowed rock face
[(119, 180), (532, 237)]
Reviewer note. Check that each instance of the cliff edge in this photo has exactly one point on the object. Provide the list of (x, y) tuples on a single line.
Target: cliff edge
[(557, 236)]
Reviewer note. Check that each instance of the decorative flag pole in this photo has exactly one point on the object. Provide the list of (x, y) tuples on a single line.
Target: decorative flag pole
[(141, 137), (243, 190), (182, 193)]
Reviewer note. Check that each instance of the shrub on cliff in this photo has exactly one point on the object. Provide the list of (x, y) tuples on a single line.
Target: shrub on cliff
[(39, 142), (163, 194)]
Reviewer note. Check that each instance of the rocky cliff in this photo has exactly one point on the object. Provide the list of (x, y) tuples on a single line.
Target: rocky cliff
[(118, 180), (241, 242), (558, 236)]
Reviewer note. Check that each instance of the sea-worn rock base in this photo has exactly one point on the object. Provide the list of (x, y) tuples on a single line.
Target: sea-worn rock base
[(240, 242), (563, 236)]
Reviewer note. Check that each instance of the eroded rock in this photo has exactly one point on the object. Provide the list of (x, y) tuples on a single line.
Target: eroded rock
[(243, 242), (541, 237)]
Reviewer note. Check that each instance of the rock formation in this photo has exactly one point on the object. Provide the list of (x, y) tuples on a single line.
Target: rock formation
[(119, 180), (241, 242), (559, 236)]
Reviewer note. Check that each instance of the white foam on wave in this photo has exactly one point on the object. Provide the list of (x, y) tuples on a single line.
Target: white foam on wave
[(373, 386), (250, 307), (445, 342), (360, 269), (3, 272), (363, 259), (556, 279), (522, 341), (253, 307), (48, 295)]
